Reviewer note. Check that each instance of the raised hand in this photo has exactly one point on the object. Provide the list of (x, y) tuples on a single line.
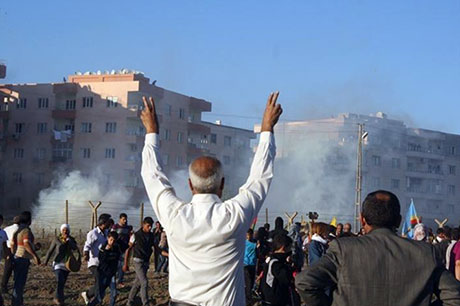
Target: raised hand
[(272, 113), (149, 116)]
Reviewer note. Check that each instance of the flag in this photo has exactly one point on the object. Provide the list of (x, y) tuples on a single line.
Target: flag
[(254, 222), (410, 221), (334, 222)]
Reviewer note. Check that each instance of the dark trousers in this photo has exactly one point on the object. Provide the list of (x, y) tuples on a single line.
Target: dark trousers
[(9, 263), (104, 283), (249, 278), (61, 278), (21, 269), (94, 290)]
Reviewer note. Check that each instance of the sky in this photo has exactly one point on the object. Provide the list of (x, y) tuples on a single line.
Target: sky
[(325, 57)]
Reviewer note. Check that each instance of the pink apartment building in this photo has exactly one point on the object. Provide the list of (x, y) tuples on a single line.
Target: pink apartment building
[(92, 121)]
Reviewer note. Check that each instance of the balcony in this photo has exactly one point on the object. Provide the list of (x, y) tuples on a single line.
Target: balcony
[(194, 150), (64, 114), (422, 153), (199, 128), (65, 89), (199, 104), (425, 173)]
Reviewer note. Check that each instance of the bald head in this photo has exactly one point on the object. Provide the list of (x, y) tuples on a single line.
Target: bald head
[(206, 175)]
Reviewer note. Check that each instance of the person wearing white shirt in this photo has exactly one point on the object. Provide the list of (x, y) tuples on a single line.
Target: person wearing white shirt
[(8, 268), (207, 235), (94, 240)]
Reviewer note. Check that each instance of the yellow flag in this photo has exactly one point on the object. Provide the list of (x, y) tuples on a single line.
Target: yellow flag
[(334, 222)]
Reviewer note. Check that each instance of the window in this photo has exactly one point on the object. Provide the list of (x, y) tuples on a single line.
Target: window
[(40, 153), (43, 102), (18, 153), (131, 179), (166, 159), (453, 150), (42, 128), (395, 184), (396, 163), (40, 178), (17, 177), (110, 127), (70, 104), (213, 138), (227, 141), (166, 134), (376, 160), (181, 113), (70, 127), (451, 189), (87, 102), (21, 103), (168, 110), (133, 147), (180, 137), (112, 101), (20, 128), (85, 152), (227, 160), (452, 170), (179, 161), (62, 151), (86, 127), (110, 153)]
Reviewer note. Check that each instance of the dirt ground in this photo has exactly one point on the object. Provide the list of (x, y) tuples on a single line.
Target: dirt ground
[(41, 285)]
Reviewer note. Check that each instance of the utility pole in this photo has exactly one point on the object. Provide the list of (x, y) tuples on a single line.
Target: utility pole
[(359, 175)]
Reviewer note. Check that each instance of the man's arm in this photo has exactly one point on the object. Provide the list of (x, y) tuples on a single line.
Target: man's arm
[(252, 194), (446, 287), (30, 250), (159, 189), (312, 282), (126, 260), (88, 245), (50, 251), (457, 270)]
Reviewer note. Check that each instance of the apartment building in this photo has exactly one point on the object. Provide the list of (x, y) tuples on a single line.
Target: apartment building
[(91, 122), (415, 163)]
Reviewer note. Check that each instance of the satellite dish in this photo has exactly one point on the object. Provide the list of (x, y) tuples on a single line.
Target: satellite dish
[(112, 72), (98, 72), (86, 73)]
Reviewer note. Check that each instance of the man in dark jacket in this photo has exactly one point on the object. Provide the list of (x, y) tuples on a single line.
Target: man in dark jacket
[(142, 244), (379, 268), (279, 229), (277, 285)]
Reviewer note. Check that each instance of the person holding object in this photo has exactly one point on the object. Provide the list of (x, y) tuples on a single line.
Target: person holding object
[(207, 236), (379, 268), (61, 249)]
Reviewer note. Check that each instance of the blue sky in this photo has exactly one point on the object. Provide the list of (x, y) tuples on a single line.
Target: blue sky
[(326, 57)]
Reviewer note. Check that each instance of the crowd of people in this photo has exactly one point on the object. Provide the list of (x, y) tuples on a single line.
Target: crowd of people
[(106, 251)]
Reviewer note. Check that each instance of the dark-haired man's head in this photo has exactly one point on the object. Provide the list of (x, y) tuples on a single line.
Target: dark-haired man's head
[(250, 234), (262, 234), (103, 222), (443, 233), (282, 244), (25, 218), (381, 209), (279, 223), (112, 238), (123, 220), (147, 224), (1, 220), (339, 230), (267, 227), (347, 228)]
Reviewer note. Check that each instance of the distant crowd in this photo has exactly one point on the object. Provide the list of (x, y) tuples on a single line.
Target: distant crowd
[(107, 250)]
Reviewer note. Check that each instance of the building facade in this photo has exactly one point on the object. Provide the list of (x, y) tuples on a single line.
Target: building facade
[(92, 122), (416, 164)]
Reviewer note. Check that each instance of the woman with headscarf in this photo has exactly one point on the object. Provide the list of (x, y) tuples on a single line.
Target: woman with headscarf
[(60, 250), (421, 232)]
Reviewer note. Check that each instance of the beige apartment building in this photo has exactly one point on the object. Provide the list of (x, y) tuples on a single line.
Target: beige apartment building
[(92, 122), (415, 163)]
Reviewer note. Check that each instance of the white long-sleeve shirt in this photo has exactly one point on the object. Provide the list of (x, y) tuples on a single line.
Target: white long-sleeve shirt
[(207, 236), (94, 240)]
